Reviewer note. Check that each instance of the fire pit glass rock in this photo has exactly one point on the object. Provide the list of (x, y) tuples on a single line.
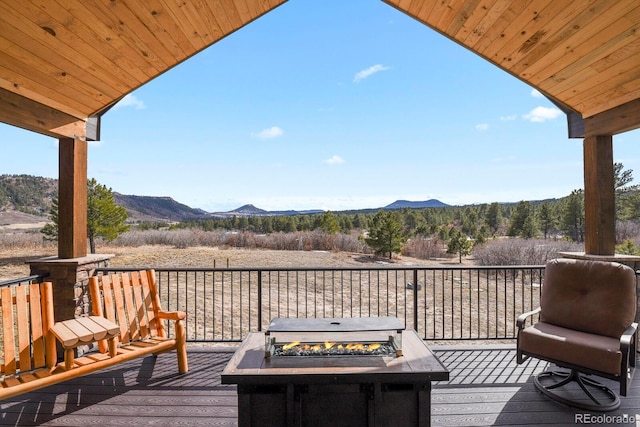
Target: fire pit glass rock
[(377, 336)]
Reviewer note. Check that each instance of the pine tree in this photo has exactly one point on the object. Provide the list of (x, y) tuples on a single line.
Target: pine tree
[(386, 235), (459, 244), (546, 219), (50, 230), (493, 217), (523, 222), (329, 223), (573, 216), (626, 195), (104, 217)]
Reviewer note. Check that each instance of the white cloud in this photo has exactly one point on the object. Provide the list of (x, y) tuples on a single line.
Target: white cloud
[(334, 160), (482, 127), (508, 118), (536, 93), (542, 114), (361, 75), (130, 101), (269, 133)]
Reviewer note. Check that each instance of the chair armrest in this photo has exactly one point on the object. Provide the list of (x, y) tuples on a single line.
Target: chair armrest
[(627, 336), (172, 315), (522, 319)]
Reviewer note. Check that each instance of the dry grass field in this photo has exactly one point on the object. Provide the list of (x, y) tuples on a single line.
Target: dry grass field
[(223, 306), (13, 262)]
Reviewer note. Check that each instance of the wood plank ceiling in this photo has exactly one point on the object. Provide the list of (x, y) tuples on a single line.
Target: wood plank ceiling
[(583, 54), (65, 61)]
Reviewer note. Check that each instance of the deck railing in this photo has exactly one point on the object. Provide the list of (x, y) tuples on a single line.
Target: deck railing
[(23, 280), (440, 303)]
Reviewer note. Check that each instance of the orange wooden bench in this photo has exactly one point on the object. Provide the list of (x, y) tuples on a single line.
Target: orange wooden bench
[(28, 342), (131, 300)]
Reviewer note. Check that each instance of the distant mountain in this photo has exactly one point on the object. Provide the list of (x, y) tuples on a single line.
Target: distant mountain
[(28, 194), (147, 208), (402, 204), (22, 195), (249, 210)]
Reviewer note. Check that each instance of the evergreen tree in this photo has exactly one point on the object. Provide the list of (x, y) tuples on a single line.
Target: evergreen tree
[(546, 219), (522, 221), (628, 248), (386, 234), (469, 221), (481, 236), (104, 217), (459, 244), (572, 221), (493, 217), (329, 223), (627, 196), (50, 230)]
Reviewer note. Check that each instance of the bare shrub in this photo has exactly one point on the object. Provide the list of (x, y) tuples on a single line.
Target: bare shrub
[(522, 251), (424, 248), (178, 238), (16, 240), (627, 230), (299, 241)]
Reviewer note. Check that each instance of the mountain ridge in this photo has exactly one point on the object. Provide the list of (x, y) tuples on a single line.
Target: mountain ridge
[(147, 208)]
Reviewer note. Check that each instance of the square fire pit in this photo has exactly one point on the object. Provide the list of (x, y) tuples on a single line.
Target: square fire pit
[(336, 388)]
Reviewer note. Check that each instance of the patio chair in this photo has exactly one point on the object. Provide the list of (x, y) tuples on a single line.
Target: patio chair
[(586, 324)]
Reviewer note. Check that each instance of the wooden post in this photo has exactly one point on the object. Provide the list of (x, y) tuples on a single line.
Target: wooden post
[(72, 198), (599, 195)]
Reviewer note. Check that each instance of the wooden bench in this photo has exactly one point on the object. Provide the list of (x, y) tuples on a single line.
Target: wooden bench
[(131, 300), (28, 342)]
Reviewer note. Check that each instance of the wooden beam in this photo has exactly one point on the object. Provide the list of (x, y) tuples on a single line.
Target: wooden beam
[(72, 203), (599, 196), (16, 110), (614, 121)]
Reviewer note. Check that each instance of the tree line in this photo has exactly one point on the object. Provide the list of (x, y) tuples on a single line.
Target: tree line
[(387, 231)]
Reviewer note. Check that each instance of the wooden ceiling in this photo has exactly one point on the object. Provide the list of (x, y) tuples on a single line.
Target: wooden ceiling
[(582, 54), (65, 62)]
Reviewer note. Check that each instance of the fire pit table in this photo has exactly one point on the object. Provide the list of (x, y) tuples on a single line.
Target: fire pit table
[(334, 372)]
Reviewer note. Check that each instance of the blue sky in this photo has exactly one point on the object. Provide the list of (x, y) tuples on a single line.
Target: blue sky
[(329, 105)]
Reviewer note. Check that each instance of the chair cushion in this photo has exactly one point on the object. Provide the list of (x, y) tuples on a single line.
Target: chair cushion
[(583, 349), (590, 296)]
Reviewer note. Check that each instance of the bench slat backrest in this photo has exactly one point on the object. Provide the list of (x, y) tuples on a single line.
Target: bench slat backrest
[(27, 315), (130, 300)]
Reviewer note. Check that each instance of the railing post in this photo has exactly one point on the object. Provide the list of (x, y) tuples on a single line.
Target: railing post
[(259, 300), (415, 299)]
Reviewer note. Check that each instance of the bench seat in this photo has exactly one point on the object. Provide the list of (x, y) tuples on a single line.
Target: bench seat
[(28, 352)]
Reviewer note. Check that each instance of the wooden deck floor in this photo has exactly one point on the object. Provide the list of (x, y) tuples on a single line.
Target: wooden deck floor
[(486, 388)]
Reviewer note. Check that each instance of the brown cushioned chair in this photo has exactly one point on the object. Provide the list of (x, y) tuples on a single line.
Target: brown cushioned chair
[(586, 324)]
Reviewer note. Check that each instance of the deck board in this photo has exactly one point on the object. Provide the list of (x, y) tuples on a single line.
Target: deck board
[(486, 388)]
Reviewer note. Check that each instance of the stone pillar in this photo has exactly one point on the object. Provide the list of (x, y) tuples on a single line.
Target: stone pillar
[(70, 279)]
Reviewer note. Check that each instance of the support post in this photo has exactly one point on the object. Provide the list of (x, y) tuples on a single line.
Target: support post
[(599, 195), (72, 198)]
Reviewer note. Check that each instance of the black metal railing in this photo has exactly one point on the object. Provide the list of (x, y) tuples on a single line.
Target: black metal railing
[(440, 303), (36, 278)]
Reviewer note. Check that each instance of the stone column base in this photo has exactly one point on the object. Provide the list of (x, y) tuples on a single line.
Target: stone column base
[(70, 279)]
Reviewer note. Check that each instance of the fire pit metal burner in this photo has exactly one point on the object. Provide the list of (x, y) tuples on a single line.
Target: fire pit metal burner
[(374, 336), (355, 390)]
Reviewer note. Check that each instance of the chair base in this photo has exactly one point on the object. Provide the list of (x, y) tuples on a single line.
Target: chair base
[(611, 403)]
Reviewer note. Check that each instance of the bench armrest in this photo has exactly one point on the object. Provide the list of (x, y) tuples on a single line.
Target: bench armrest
[(172, 315), (522, 319)]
